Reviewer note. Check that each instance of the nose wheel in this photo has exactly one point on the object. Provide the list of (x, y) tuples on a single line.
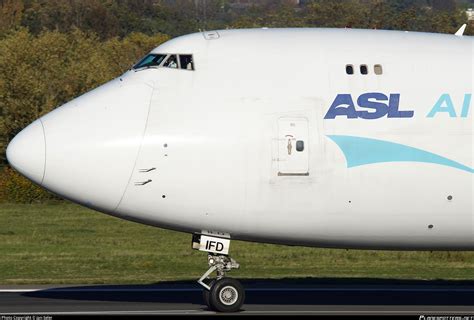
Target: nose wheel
[(222, 294), (226, 295)]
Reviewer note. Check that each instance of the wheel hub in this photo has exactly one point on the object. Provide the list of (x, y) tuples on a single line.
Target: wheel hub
[(228, 295)]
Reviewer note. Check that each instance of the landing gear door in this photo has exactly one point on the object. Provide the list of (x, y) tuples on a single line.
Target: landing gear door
[(293, 147)]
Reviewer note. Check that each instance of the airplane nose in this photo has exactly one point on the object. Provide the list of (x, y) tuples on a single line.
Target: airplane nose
[(26, 153), (93, 142)]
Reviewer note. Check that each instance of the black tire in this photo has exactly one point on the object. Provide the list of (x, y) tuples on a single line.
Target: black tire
[(227, 295), (206, 296)]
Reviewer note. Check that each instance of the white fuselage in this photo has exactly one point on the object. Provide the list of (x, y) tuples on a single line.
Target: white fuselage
[(394, 170)]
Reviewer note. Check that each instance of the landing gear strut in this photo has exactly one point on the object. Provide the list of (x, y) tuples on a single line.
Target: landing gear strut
[(221, 294)]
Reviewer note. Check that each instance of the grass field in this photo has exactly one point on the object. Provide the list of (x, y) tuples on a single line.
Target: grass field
[(62, 243)]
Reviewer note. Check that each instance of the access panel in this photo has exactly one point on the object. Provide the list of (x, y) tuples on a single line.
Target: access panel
[(293, 147)]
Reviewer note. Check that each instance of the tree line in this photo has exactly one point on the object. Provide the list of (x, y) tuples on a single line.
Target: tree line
[(118, 18), (54, 50)]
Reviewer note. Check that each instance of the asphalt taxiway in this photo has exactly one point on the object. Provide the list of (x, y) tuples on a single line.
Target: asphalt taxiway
[(297, 296)]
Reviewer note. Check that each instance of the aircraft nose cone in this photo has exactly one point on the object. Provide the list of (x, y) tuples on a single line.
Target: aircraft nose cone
[(26, 153)]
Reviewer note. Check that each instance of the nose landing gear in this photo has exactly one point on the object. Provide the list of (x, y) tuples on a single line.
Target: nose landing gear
[(221, 294)]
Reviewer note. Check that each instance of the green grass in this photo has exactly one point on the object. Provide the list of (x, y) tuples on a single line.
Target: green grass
[(62, 243)]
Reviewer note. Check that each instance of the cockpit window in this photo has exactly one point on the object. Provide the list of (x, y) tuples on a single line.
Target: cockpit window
[(171, 62), (164, 60), (186, 61), (151, 60)]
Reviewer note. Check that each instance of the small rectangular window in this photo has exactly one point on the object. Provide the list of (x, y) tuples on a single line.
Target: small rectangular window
[(186, 61), (378, 69), (171, 62), (300, 146), (350, 69), (363, 69)]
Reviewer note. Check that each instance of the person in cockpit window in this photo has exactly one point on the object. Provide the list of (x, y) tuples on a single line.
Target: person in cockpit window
[(172, 62)]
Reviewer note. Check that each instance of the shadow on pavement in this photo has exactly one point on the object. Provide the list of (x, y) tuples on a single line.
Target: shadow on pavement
[(304, 291)]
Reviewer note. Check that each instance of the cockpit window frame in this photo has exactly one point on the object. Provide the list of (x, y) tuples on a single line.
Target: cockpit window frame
[(165, 59), (135, 68)]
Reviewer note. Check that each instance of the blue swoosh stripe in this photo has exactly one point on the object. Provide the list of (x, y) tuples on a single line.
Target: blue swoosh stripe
[(363, 151)]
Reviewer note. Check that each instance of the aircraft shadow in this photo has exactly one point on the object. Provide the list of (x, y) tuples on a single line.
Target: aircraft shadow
[(303, 291)]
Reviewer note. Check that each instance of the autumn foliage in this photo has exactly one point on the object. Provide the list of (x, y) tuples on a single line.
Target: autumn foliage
[(54, 50)]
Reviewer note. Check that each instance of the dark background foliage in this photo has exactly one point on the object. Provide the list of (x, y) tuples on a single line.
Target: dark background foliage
[(54, 50)]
